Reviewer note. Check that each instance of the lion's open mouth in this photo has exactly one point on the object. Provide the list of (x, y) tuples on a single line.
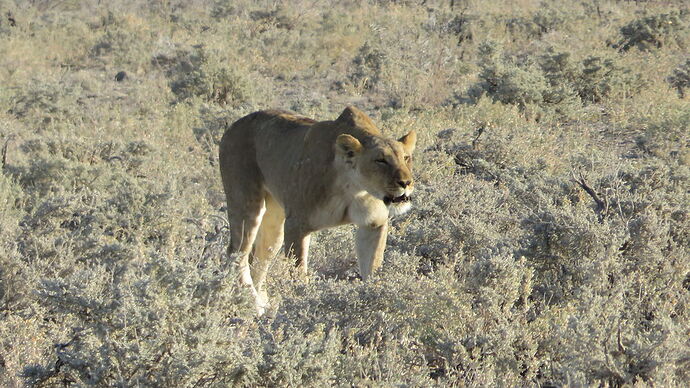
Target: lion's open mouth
[(401, 199)]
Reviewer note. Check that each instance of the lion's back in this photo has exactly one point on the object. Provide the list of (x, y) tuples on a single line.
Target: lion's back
[(267, 146), (261, 127)]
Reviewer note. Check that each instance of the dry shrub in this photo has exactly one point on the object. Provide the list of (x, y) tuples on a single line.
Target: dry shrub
[(539, 252)]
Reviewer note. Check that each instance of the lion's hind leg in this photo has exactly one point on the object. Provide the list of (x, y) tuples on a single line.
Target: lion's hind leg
[(268, 242), (245, 218)]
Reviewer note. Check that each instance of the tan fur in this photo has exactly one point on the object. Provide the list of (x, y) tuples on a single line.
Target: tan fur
[(287, 176)]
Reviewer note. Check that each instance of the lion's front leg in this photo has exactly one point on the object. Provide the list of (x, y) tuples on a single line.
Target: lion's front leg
[(297, 246), (370, 243)]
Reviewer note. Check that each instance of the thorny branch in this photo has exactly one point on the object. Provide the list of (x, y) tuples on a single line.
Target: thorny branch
[(475, 141), (4, 151), (602, 205)]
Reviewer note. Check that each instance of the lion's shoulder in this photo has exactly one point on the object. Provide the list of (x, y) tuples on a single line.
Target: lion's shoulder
[(282, 117)]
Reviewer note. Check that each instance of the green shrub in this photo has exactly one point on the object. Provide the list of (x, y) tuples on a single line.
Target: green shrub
[(221, 9), (517, 81), (680, 79), (562, 75), (651, 31), (10, 192), (546, 19), (591, 80), (602, 77), (551, 81)]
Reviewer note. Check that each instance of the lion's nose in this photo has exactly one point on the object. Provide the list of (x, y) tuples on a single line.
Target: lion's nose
[(404, 184)]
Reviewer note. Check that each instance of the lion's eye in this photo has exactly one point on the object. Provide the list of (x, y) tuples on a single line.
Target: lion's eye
[(407, 158), (382, 162)]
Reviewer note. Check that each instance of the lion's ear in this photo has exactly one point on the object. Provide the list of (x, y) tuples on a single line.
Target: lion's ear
[(347, 146), (409, 141)]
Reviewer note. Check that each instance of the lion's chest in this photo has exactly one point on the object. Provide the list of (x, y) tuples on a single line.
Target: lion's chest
[(332, 212), (359, 208)]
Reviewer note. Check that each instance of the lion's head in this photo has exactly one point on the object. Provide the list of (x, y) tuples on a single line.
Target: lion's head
[(381, 166)]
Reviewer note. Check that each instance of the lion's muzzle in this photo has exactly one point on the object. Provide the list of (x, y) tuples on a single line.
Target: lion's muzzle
[(396, 200)]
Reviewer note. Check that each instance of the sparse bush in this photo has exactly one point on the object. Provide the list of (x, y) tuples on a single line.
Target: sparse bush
[(668, 137), (13, 290), (8, 22), (124, 41), (459, 25), (275, 18), (114, 42), (369, 67), (47, 102), (196, 74)]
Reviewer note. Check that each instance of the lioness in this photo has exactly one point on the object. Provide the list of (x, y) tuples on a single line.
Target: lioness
[(286, 176)]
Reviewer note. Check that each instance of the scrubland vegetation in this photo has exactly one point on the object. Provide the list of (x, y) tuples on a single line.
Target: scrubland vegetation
[(549, 244)]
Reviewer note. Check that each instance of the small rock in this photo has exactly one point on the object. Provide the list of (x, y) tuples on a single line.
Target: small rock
[(11, 19), (446, 133), (119, 77)]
